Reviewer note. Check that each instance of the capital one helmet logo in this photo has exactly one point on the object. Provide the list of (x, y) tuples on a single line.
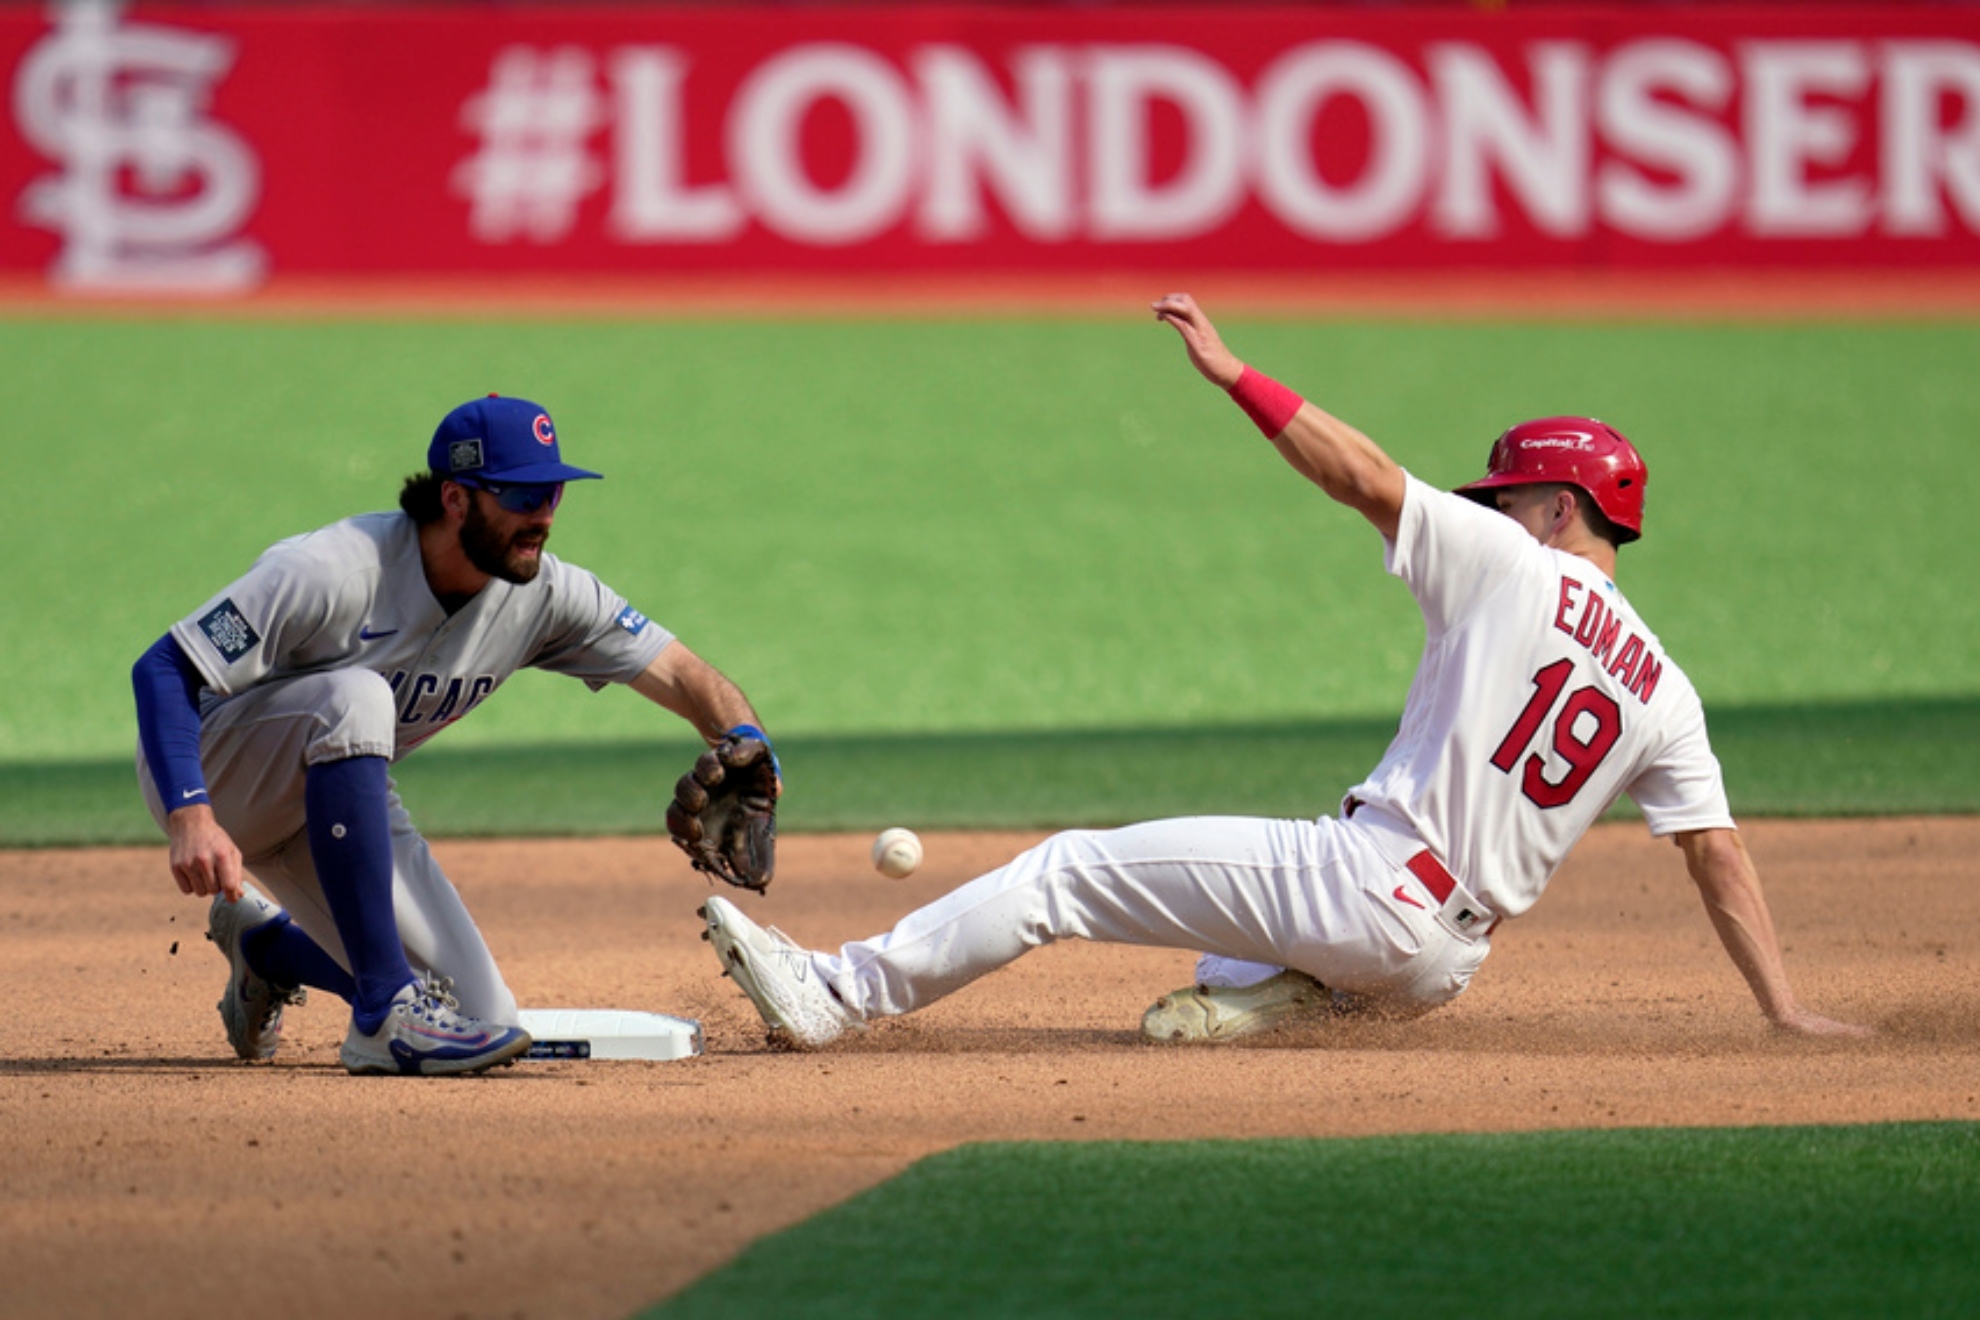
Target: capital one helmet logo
[(151, 193)]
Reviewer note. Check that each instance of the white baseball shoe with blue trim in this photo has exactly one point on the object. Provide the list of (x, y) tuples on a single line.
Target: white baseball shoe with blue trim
[(427, 1035)]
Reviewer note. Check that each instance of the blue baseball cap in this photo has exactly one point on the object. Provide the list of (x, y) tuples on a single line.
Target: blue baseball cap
[(503, 440)]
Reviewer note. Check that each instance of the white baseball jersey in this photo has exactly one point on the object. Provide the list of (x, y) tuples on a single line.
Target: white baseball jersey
[(354, 595), (1541, 697)]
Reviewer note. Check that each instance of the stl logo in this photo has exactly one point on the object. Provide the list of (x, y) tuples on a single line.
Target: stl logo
[(545, 435), (152, 193)]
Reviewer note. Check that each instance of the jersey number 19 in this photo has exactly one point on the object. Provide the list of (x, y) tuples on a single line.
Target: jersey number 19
[(1581, 753)]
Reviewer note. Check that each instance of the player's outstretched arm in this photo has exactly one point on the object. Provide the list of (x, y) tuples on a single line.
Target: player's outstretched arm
[(1334, 456), (1723, 871), (695, 690)]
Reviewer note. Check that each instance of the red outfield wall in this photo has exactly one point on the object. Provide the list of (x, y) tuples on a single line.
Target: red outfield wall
[(214, 146)]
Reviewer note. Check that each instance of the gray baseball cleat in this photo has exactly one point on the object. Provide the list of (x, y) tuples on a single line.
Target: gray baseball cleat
[(1212, 1014), (800, 1010), (251, 1008), (426, 1035)]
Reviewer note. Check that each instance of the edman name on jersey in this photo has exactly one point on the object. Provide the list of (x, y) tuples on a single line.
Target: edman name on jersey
[(1597, 628)]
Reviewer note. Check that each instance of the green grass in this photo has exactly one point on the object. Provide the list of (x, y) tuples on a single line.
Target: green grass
[(1005, 572), (1806, 1222), (944, 526)]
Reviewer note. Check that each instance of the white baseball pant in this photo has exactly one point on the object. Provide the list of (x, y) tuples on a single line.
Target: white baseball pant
[(1330, 898)]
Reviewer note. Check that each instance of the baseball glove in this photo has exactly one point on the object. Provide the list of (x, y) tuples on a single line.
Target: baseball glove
[(724, 812)]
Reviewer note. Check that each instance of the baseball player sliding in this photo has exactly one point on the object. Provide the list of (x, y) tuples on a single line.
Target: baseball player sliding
[(268, 718), (1541, 696)]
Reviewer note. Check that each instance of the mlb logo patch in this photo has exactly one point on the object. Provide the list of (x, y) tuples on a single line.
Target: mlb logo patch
[(631, 620), (229, 631), (464, 456)]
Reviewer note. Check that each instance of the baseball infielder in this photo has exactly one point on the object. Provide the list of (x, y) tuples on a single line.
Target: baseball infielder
[(1541, 696), (268, 718)]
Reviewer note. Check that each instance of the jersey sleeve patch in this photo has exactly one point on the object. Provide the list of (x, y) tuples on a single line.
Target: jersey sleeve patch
[(229, 631), (632, 621)]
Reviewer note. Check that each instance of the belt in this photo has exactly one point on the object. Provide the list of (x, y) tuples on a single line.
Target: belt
[(1467, 912), (1425, 867)]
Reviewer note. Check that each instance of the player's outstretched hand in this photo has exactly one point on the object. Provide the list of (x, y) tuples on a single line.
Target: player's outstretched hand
[(1800, 1022), (1206, 348)]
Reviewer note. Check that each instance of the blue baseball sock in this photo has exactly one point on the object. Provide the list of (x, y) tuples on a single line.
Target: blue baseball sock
[(281, 952), (350, 840)]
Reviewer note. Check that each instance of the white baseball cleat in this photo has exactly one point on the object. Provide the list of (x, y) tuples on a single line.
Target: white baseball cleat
[(1211, 1014), (251, 1008), (777, 975), (427, 1035)]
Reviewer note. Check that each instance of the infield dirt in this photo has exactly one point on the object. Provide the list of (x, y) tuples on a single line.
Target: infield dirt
[(148, 1173)]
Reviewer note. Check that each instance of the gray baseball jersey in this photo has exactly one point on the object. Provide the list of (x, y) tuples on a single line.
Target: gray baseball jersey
[(280, 649), (354, 595)]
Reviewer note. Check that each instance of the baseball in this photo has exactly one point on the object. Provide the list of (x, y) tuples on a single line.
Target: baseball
[(896, 853)]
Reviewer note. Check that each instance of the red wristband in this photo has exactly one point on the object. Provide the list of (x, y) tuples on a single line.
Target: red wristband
[(1267, 403)]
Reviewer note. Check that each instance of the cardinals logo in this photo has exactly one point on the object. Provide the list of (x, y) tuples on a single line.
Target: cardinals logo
[(151, 193)]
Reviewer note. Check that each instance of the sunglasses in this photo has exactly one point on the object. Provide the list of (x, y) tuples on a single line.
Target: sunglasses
[(523, 498)]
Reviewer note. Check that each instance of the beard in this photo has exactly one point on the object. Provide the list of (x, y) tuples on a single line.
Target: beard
[(497, 555)]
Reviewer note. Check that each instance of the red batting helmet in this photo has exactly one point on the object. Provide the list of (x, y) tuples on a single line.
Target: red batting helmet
[(1578, 451)]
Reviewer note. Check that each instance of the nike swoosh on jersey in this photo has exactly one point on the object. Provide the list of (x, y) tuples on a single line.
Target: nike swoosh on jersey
[(1402, 896), (366, 635)]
